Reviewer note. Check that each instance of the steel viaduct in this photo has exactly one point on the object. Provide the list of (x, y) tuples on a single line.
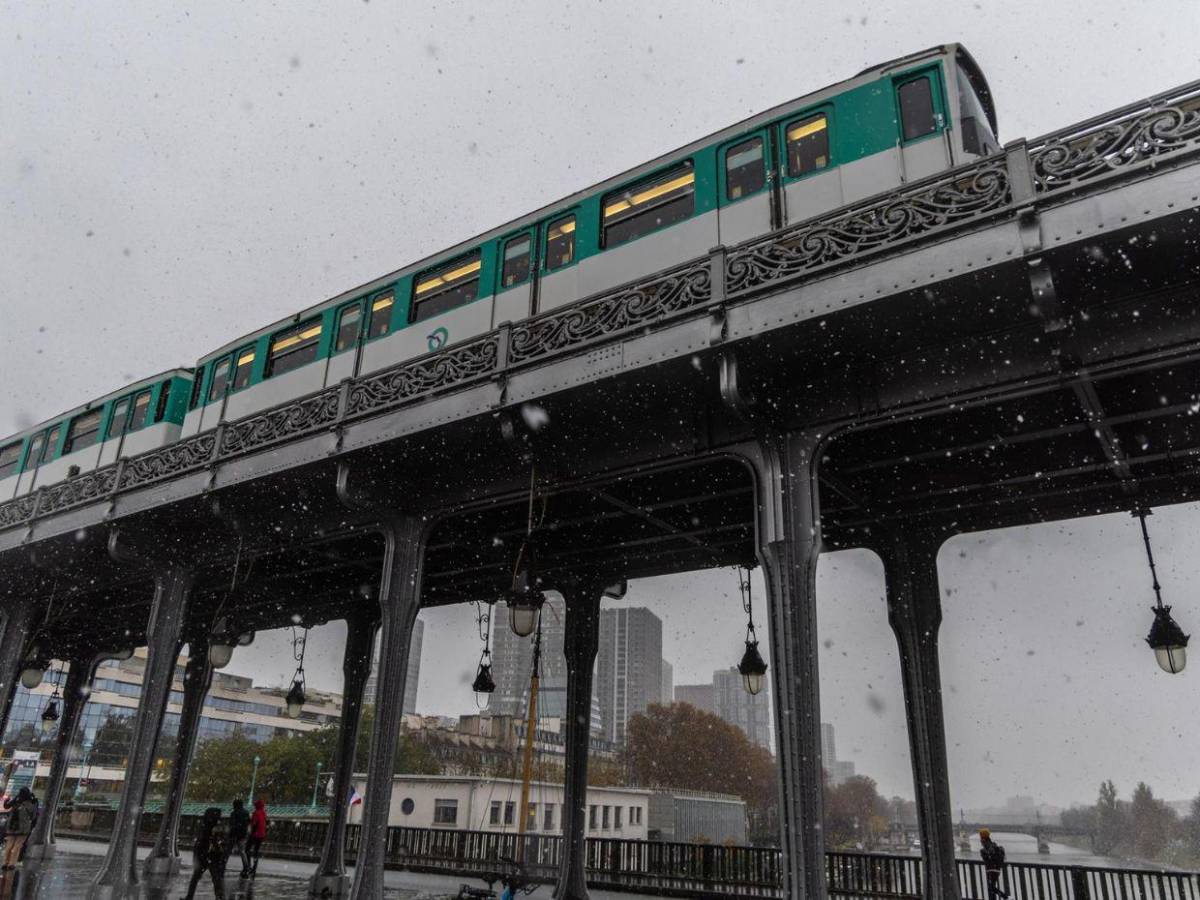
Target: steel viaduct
[(1013, 341)]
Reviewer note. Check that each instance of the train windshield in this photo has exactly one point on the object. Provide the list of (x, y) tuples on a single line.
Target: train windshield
[(977, 134)]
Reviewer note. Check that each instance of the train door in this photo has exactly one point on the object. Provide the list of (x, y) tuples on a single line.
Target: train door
[(749, 185), (515, 286), (811, 185), (924, 124)]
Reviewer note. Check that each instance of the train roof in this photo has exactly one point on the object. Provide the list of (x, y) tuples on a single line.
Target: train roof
[(98, 401), (537, 215)]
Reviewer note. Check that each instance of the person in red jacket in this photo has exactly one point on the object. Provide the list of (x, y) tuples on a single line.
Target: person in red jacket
[(258, 831)]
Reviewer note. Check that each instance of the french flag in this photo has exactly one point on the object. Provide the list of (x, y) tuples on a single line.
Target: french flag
[(355, 797)]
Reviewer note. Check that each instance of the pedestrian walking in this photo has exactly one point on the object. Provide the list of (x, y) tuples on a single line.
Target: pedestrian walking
[(992, 855), (208, 854), (239, 832), (22, 814), (258, 833)]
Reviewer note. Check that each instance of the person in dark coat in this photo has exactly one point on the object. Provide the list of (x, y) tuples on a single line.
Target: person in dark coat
[(22, 814), (208, 854), (239, 831), (992, 855), (258, 833)]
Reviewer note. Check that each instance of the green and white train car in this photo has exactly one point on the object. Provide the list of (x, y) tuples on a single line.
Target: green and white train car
[(138, 417), (888, 125)]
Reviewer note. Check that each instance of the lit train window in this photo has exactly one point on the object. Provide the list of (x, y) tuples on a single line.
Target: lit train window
[(294, 348), (220, 378), (917, 115), (443, 289), (10, 457), (516, 261), (116, 425), (141, 406), (745, 169), (160, 408), (243, 368), (807, 145), (560, 243), (42, 447), (347, 328), (84, 430), (649, 205), (380, 322)]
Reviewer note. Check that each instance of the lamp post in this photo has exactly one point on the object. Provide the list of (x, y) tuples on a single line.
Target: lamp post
[(316, 782), (254, 777), (752, 668), (83, 764), (1166, 638)]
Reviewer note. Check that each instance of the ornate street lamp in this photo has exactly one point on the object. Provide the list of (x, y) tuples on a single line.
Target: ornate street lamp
[(224, 641), (295, 696), (524, 603), (50, 713), (752, 667), (1166, 638), (484, 683)]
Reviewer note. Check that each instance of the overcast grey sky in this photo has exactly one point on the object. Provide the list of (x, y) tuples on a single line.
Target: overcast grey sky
[(173, 175)]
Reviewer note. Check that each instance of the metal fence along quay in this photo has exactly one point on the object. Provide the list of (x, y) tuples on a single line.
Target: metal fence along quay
[(679, 870)]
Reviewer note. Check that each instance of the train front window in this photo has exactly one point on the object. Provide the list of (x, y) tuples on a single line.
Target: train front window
[(116, 425), (745, 169), (294, 348), (976, 130), (516, 261), (347, 330), (381, 315), (83, 432), (441, 290), (10, 458), (917, 115), (220, 377), (807, 145), (141, 406), (649, 205), (560, 243)]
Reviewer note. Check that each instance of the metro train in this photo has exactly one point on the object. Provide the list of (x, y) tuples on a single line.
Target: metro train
[(888, 125)]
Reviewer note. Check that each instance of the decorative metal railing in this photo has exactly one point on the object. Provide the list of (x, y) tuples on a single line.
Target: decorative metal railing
[(688, 870), (1131, 142)]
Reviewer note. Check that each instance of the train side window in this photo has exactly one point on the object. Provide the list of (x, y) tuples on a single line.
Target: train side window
[(10, 458), (164, 395), (745, 169), (243, 367), (116, 425), (560, 243), (452, 285), (349, 318), (807, 145), (649, 205), (917, 114), (220, 378), (41, 448), (197, 386), (516, 261), (141, 406), (380, 322), (84, 430), (294, 348)]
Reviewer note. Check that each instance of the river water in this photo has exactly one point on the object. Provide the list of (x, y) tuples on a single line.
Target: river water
[(1023, 848)]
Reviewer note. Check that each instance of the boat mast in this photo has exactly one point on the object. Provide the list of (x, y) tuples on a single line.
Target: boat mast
[(530, 729)]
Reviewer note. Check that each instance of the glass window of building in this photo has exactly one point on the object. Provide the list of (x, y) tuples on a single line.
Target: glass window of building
[(445, 812)]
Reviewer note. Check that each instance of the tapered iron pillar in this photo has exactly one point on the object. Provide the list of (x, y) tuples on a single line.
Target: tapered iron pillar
[(399, 602), (915, 614), (580, 640), (75, 691), (330, 879), (118, 873), (197, 679), (17, 623), (789, 544)]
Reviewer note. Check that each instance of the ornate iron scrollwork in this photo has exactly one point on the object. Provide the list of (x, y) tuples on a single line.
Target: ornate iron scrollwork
[(317, 411), (79, 490), (1069, 157), (445, 368), (14, 512), (952, 199), (169, 461), (611, 313)]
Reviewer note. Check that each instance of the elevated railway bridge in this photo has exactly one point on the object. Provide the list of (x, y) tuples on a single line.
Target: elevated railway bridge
[(1013, 341)]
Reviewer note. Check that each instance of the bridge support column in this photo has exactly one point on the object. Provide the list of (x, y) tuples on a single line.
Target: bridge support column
[(172, 585), (789, 543), (915, 614), (197, 679), (40, 845), (581, 639), (17, 624), (399, 602), (331, 879)]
